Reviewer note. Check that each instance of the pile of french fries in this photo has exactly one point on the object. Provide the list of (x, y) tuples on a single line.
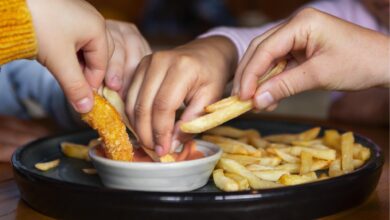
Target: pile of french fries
[(250, 161)]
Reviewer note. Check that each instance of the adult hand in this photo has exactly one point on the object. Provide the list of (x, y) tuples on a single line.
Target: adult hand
[(327, 53)]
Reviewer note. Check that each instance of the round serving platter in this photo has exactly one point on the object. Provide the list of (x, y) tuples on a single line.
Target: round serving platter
[(67, 193)]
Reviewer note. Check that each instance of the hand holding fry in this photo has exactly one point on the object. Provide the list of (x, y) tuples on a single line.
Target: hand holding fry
[(226, 109), (316, 43)]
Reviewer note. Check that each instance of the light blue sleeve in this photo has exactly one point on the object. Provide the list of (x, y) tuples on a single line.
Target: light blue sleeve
[(28, 80)]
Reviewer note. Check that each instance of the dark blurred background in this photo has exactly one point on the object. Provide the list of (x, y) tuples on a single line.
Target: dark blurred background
[(173, 22)]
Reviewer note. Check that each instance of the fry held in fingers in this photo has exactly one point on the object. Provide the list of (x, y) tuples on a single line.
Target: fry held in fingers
[(226, 109)]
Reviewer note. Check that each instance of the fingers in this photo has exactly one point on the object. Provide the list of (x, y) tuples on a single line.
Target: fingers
[(96, 53), (247, 57), (136, 48), (116, 66), (165, 105), (195, 108), (288, 83), (72, 80), (154, 76), (287, 38)]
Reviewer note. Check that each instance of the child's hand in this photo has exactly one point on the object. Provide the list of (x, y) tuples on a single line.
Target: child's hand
[(194, 74), (130, 48), (328, 53), (74, 45)]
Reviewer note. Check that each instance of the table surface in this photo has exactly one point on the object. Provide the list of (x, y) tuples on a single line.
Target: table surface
[(376, 207)]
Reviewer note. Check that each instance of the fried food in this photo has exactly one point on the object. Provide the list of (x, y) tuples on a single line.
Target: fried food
[(287, 159), (226, 109), (45, 166), (73, 150), (106, 120)]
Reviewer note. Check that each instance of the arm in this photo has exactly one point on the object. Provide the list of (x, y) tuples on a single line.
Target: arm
[(349, 10), (17, 37), (77, 53), (326, 52)]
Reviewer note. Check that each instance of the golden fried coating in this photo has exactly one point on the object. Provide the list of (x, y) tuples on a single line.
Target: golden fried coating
[(107, 121)]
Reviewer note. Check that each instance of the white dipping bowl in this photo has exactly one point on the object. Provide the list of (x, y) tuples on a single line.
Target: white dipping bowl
[(162, 177)]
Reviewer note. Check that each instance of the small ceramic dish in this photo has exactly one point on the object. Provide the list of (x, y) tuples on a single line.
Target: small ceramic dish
[(163, 177)]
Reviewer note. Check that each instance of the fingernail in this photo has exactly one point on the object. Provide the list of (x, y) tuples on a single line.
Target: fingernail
[(116, 81), (84, 105), (175, 144), (264, 100), (159, 150)]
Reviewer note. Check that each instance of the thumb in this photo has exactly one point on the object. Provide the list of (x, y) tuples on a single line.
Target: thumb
[(193, 110), (290, 82), (68, 72)]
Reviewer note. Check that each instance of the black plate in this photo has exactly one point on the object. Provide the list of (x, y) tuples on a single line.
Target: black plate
[(66, 192)]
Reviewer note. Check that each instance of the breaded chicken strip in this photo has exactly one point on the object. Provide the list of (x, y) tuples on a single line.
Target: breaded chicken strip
[(106, 120)]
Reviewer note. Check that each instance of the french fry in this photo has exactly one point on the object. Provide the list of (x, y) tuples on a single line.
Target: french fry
[(320, 146), (307, 143), (290, 167), (258, 142), (306, 162), (244, 140), (228, 112), (347, 141), (335, 168), (221, 104), (45, 166), (319, 165), (270, 175), (242, 159), (291, 179), (242, 182), (286, 156), (332, 138), (310, 134), (357, 163), (227, 131), (258, 167), (73, 150), (254, 182), (277, 145), (360, 152), (229, 145), (89, 171), (211, 120), (224, 183), (269, 161), (325, 154), (282, 138), (168, 158), (289, 159)]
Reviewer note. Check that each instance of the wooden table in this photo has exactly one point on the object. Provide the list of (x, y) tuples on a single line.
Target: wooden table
[(376, 207)]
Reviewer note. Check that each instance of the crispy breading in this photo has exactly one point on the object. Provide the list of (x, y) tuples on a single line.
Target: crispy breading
[(108, 123)]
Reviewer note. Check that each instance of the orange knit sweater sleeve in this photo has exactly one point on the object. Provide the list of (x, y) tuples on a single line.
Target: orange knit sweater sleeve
[(17, 37)]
